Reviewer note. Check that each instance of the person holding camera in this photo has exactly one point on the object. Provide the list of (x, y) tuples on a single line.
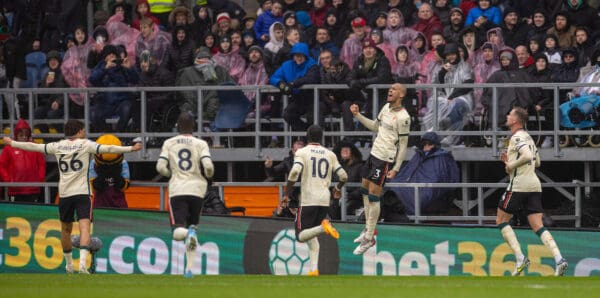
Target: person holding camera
[(114, 70), (50, 105)]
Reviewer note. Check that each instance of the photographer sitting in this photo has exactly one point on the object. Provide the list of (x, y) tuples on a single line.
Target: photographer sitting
[(114, 70)]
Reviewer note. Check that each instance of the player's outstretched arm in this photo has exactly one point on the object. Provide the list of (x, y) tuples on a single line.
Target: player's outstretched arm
[(27, 146)]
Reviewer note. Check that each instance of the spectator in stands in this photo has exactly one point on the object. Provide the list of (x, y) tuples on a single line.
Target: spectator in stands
[(318, 12), (544, 103), (396, 32), (18, 165), (525, 60), (229, 59), (441, 8), (205, 71), (585, 47), (27, 18), (292, 37), (567, 71), (352, 47), (336, 101), (75, 71), (109, 176), (377, 36), (152, 39), (514, 30), (223, 26), (248, 24), (579, 13), (289, 20), (115, 70), (280, 173), (381, 21), (467, 5), (406, 7), (539, 24), (248, 41), (430, 164), (590, 75), (432, 59), (563, 30), (488, 65), (50, 105), (508, 97), (124, 8), (100, 39), (405, 69), (370, 9), (551, 50), (307, 29), (181, 16), (276, 41), (352, 162), (232, 8), (142, 10), (299, 70), (202, 23), (154, 75), (371, 67), (534, 45), (323, 42), (457, 23), (470, 39), (484, 15), (236, 42), (264, 5), (337, 30), (210, 42), (420, 45), (454, 105), (57, 18), (428, 22), (180, 53), (265, 20), (255, 74), (295, 5), (161, 9)]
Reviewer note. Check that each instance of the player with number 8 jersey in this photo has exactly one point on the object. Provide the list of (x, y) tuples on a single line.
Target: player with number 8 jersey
[(186, 160)]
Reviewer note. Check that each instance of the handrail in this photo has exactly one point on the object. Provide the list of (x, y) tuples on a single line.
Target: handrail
[(417, 218)]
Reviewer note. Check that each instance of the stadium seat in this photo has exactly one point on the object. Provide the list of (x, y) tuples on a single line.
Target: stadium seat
[(257, 200), (233, 108), (36, 69)]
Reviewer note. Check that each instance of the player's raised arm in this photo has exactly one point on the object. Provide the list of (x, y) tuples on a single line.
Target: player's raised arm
[(368, 123)]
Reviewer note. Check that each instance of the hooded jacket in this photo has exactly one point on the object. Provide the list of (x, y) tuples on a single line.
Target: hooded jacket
[(298, 74), (18, 165), (435, 166), (509, 97)]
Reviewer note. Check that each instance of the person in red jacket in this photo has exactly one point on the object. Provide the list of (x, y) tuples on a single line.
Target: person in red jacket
[(18, 165)]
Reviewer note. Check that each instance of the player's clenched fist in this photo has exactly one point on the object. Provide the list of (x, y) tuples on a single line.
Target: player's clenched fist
[(354, 109)]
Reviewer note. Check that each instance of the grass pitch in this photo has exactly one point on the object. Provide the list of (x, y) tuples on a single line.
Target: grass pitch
[(264, 286)]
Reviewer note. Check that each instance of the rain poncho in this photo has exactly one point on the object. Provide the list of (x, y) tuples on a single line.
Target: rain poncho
[(157, 43), (452, 115), (75, 71)]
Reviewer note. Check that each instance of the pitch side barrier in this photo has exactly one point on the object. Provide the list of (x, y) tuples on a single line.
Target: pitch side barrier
[(571, 191), (140, 242), (256, 130)]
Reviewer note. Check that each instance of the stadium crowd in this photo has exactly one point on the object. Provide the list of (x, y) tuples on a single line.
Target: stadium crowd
[(289, 43)]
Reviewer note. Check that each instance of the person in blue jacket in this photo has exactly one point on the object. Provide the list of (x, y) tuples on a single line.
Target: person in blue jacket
[(484, 12), (299, 70), (431, 164)]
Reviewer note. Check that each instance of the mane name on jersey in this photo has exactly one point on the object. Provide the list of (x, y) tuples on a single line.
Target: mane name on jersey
[(317, 151)]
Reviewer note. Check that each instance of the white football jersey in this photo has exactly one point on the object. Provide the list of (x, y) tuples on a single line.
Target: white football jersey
[(318, 164), (73, 157), (184, 154), (523, 178)]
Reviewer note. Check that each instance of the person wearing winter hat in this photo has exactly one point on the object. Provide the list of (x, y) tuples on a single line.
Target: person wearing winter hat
[(50, 105)]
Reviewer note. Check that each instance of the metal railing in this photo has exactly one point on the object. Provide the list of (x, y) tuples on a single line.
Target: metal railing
[(479, 219)]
